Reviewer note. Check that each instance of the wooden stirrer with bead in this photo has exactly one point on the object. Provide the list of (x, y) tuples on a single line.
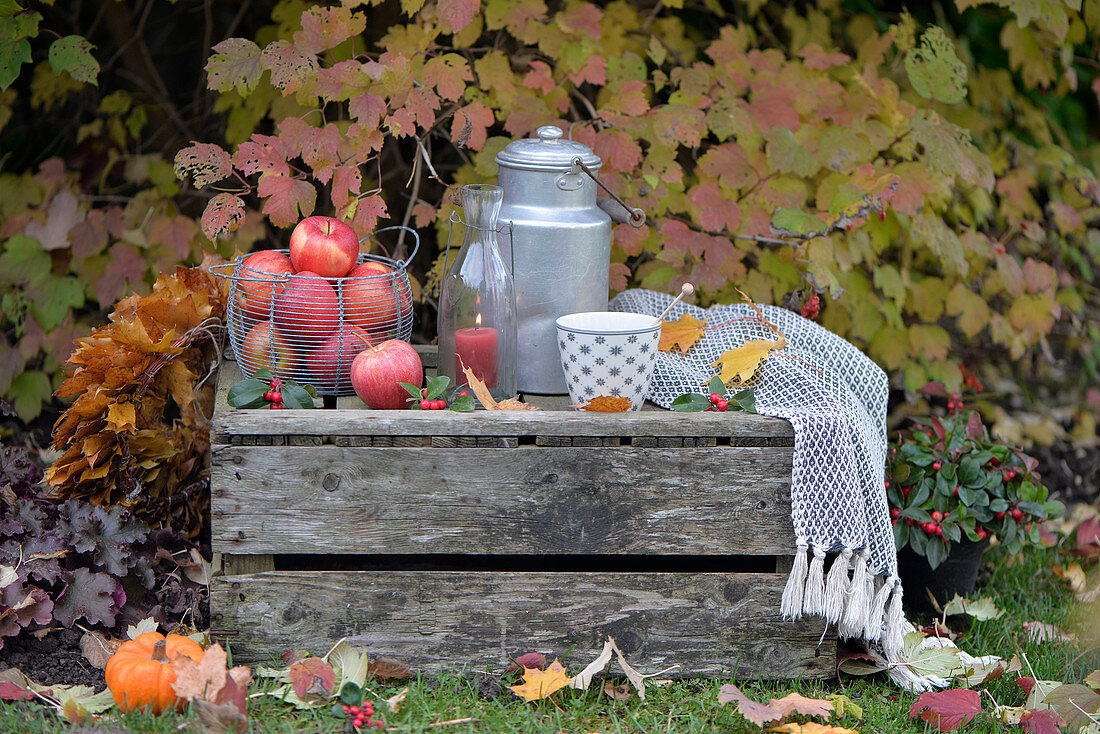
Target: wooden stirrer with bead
[(685, 290)]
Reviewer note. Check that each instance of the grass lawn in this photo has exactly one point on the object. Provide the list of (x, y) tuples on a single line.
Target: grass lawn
[(1026, 589)]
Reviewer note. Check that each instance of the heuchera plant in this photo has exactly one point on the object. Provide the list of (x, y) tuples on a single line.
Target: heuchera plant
[(947, 479), (63, 562)]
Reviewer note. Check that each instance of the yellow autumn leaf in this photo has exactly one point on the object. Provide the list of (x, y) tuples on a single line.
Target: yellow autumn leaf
[(741, 363), (121, 417), (541, 683), (683, 332), (811, 727), (481, 391), (605, 404)]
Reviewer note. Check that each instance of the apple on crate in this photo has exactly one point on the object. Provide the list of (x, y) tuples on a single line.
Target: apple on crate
[(259, 278), (325, 246), (378, 371)]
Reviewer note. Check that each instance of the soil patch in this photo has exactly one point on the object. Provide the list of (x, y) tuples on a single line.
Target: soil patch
[(54, 660)]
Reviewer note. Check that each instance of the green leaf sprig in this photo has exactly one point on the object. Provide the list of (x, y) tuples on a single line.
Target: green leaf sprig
[(694, 402), (459, 400), (249, 392)]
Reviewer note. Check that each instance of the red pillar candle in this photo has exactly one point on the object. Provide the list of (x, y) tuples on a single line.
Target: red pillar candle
[(476, 347)]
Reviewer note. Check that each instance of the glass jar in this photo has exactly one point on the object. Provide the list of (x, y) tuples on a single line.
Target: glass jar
[(477, 300)]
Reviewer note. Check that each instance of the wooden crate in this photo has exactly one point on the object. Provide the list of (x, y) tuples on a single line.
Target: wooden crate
[(456, 540)]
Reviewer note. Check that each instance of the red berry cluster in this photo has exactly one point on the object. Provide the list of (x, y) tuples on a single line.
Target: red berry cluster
[(719, 402), (955, 403), (438, 403), (274, 396), (812, 307), (360, 716)]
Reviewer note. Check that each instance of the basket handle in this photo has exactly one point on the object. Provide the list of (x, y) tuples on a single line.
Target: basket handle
[(410, 230)]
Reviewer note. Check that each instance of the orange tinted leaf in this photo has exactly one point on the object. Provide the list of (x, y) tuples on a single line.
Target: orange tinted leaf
[(287, 199), (222, 216), (606, 404), (457, 14), (541, 683), (470, 125), (324, 28), (290, 68), (485, 397), (683, 332), (799, 704)]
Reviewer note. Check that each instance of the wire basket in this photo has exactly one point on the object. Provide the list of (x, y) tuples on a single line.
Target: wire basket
[(307, 328)]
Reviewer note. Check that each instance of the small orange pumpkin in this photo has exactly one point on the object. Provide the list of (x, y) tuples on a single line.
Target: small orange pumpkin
[(140, 674)]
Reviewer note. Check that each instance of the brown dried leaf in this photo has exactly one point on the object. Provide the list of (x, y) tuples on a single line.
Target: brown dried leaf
[(799, 704), (1073, 575), (1040, 632), (202, 681), (682, 333), (527, 660), (481, 392), (393, 703), (214, 718), (312, 678), (98, 649), (605, 404), (619, 692), (385, 668)]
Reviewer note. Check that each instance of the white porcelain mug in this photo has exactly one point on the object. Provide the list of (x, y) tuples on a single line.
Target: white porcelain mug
[(607, 353)]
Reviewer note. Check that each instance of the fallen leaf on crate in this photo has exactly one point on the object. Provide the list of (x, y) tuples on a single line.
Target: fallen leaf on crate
[(485, 397), (386, 668), (312, 678), (541, 683), (393, 703), (682, 333), (584, 678), (982, 609), (1041, 632), (619, 692), (947, 710), (605, 404), (97, 649), (811, 727), (742, 362)]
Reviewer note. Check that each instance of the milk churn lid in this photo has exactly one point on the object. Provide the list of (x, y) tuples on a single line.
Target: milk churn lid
[(548, 151)]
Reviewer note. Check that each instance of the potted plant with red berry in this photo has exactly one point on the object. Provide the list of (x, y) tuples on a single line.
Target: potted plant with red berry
[(953, 490)]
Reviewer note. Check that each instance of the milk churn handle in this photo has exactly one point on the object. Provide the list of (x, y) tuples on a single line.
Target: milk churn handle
[(637, 216)]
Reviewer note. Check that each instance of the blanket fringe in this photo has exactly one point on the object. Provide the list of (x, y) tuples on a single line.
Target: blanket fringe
[(813, 601), (856, 604), (791, 605), (876, 616), (836, 586), (893, 638)]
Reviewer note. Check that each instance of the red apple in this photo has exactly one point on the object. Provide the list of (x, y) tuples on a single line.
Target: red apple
[(325, 246), (264, 349), (377, 370), (307, 310), (260, 277), (330, 363), (374, 298)]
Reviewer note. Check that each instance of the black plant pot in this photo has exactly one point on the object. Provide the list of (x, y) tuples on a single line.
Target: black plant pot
[(956, 575)]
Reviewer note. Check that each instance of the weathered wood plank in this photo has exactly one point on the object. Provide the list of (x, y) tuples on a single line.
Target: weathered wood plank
[(529, 499), (352, 418), (713, 624), (234, 565)]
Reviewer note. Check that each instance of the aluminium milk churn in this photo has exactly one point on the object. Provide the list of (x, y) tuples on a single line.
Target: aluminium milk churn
[(561, 246)]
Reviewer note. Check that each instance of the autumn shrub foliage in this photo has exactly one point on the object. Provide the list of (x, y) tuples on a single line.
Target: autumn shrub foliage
[(789, 153), (932, 185)]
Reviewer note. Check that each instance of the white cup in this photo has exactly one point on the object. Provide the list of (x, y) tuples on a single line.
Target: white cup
[(606, 353)]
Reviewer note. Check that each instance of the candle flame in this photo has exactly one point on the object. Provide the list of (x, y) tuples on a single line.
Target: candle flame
[(477, 321)]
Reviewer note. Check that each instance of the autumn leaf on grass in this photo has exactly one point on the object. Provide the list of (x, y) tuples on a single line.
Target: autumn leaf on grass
[(796, 703), (682, 333), (541, 683), (1040, 632), (1041, 721), (217, 695), (605, 404), (811, 727), (97, 648), (980, 609), (758, 713), (1073, 575), (527, 660), (1092, 680), (1087, 540), (312, 678), (1079, 705), (947, 710), (481, 391)]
